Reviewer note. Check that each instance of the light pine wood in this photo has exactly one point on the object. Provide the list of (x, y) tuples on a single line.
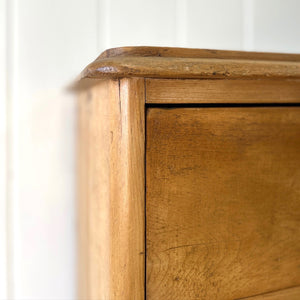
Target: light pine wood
[(112, 192), (173, 67), (287, 294), (144, 51), (222, 209), (191, 63), (222, 91), (223, 183), (82, 147)]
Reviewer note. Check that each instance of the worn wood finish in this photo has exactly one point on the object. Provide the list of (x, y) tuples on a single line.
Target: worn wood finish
[(287, 294), (222, 209), (222, 91), (112, 190), (174, 67), (222, 197), (82, 193), (158, 62), (144, 51), (164, 62)]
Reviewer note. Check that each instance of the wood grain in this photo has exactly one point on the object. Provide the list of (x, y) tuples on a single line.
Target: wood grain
[(184, 63), (113, 190), (82, 147), (286, 294), (222, 202), (222, 91), (143, 51), (177, 67)]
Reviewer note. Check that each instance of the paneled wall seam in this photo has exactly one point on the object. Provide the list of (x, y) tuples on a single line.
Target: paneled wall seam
[(13, 243), (3, 151), (97, 24), (181, 23), (104, 19), (248, 25)]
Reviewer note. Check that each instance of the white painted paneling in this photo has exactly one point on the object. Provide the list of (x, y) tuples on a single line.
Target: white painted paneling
[(215, 24), (136, 22), (3, 153), (248, 25), (53, 41), (277, 25), (181, 23)]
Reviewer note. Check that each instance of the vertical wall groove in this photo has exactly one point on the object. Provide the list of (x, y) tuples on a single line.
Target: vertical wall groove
[(248, 25), (103, 19), (13, 240), (3, 151), (181, 23)]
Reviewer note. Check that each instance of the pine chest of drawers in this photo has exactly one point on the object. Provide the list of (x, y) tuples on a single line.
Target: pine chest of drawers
[(189, 175)]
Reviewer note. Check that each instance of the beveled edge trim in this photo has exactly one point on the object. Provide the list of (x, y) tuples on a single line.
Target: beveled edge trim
[(189, 68), (146, 51)]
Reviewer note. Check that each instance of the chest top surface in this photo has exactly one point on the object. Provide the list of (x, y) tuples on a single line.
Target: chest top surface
[(165, 62)]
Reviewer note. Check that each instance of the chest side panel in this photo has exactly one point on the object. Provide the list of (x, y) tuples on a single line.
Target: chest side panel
[(222, 202)]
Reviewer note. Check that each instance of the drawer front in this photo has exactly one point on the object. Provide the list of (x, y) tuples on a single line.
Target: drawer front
[(222, 202)]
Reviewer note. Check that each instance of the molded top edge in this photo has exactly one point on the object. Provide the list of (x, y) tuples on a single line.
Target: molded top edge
[(188, 63), (147, 51)]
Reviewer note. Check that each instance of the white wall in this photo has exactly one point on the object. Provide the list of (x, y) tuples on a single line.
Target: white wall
[(3, 155), (44, 44)]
